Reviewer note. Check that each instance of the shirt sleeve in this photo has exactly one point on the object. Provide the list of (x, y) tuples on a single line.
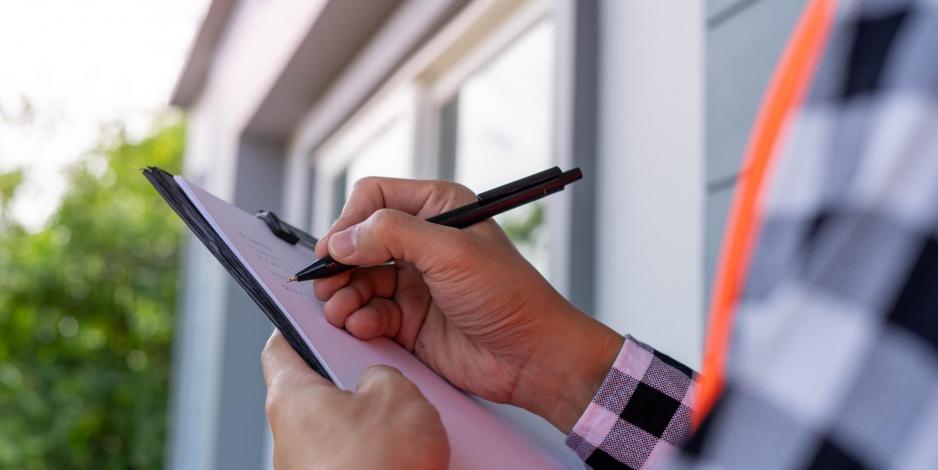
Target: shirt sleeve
[(641, 413)]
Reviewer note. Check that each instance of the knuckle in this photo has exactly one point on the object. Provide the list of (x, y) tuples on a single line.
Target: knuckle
[(362, 191), (421, 411), (463, 190), (268, 354), (321, 290), (380, 378), (333, 314), (383, 374), (456, 193), (366, 188), (350, 215), (348, 212), (365, 184), (385, 221), (274, 405)]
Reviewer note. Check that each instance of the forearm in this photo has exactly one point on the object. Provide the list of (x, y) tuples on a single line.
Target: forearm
[(599, 388), (559, 381)]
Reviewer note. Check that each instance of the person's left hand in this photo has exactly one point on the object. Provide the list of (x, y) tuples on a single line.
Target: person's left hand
[(385, 423)]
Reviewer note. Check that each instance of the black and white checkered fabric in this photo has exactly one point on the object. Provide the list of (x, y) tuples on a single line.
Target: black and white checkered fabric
[(641, 413), (834, 358)]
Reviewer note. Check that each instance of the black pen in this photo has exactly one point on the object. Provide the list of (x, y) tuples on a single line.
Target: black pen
[(487, 204)]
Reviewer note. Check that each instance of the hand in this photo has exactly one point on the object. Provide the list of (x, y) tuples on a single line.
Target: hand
[(464, 301), (386, 423)]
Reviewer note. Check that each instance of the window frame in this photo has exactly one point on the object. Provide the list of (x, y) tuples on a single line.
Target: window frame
[(333, 158), (426, 81)]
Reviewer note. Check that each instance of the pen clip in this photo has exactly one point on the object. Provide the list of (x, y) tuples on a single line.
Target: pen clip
[(519, 185)]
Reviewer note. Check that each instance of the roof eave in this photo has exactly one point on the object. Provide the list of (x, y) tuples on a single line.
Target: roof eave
[(195, 71)]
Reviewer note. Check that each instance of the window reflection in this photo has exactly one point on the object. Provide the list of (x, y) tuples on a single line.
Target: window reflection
[(498, 128), (387, 153)]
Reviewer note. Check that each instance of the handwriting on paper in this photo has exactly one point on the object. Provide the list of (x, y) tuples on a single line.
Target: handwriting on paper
[(281, 269)]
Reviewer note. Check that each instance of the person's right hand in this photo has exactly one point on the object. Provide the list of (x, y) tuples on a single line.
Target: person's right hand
[(464, 301)]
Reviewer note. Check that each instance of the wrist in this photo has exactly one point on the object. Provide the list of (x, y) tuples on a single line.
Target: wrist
[(563, 375)]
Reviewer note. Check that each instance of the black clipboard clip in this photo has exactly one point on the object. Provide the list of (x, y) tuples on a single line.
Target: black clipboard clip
[(285, 231)]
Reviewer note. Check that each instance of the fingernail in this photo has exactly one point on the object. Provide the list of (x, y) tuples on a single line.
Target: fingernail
[(342, 244)]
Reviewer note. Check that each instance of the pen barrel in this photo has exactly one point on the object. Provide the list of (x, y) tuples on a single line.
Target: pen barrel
[(476, 212), (461, 217), (324, 267), (334, 267)]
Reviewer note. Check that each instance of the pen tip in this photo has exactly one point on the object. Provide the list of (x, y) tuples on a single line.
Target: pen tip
[(292, 279)]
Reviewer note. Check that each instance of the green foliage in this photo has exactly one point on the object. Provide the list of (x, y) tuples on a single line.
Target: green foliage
[(9, 182), (524, 229), (86, 315)]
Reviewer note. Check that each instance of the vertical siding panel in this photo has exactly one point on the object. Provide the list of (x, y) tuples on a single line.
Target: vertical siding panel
[(744, 40)]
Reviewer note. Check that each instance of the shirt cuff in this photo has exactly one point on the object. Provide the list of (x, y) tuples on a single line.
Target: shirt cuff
[(641, 413)]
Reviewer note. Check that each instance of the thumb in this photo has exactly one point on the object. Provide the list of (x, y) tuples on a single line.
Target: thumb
[(392, 234), (281, 364)]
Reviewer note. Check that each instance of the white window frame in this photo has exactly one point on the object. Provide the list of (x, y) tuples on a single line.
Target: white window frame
[(470, 41), (419, 89), (334, 156), (448, 82)]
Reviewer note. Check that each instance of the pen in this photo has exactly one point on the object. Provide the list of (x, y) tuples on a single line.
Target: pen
[(487, 204)]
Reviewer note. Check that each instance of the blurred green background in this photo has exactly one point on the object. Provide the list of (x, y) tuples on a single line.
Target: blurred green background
[(86, 306)]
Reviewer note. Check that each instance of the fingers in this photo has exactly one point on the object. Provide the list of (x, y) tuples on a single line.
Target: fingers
[(417, 197), (380, 317), (324, 288), (390, 233), (375, 317), (361, 306), (363, 285), (386, 380), (283, 367), (380, 279), (293, 390)]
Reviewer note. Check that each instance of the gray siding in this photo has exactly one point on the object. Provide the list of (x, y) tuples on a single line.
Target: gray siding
[(744, 41)]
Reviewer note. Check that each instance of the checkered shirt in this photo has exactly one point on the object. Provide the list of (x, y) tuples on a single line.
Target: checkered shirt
[(641, 412), (834, 353)]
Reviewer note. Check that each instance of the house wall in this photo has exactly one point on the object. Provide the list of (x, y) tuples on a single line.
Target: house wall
[(216, 410), (256, 46), (676, 87), (651, 173), (744, 41), (657, 161)]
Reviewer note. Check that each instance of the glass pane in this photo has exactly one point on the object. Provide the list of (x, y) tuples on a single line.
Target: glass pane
[(387, 153), (503, 117), (339, 188)]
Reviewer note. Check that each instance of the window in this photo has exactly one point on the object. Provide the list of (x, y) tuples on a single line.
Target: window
[(497, 128), (475, 105), (380, 143), (384, 154)]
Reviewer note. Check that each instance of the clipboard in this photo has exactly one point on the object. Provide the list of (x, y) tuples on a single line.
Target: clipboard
[(261, 251), (177, 199)]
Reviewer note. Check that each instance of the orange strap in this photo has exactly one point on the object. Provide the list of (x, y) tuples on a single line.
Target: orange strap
[(785, 94)]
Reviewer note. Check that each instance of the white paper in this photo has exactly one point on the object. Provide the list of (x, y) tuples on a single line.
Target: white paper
[(481, 435)]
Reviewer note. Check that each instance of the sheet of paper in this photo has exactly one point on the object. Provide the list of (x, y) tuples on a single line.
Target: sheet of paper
[(481, 435)]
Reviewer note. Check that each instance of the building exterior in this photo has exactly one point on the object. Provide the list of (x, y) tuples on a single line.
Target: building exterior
[(290, 101)]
